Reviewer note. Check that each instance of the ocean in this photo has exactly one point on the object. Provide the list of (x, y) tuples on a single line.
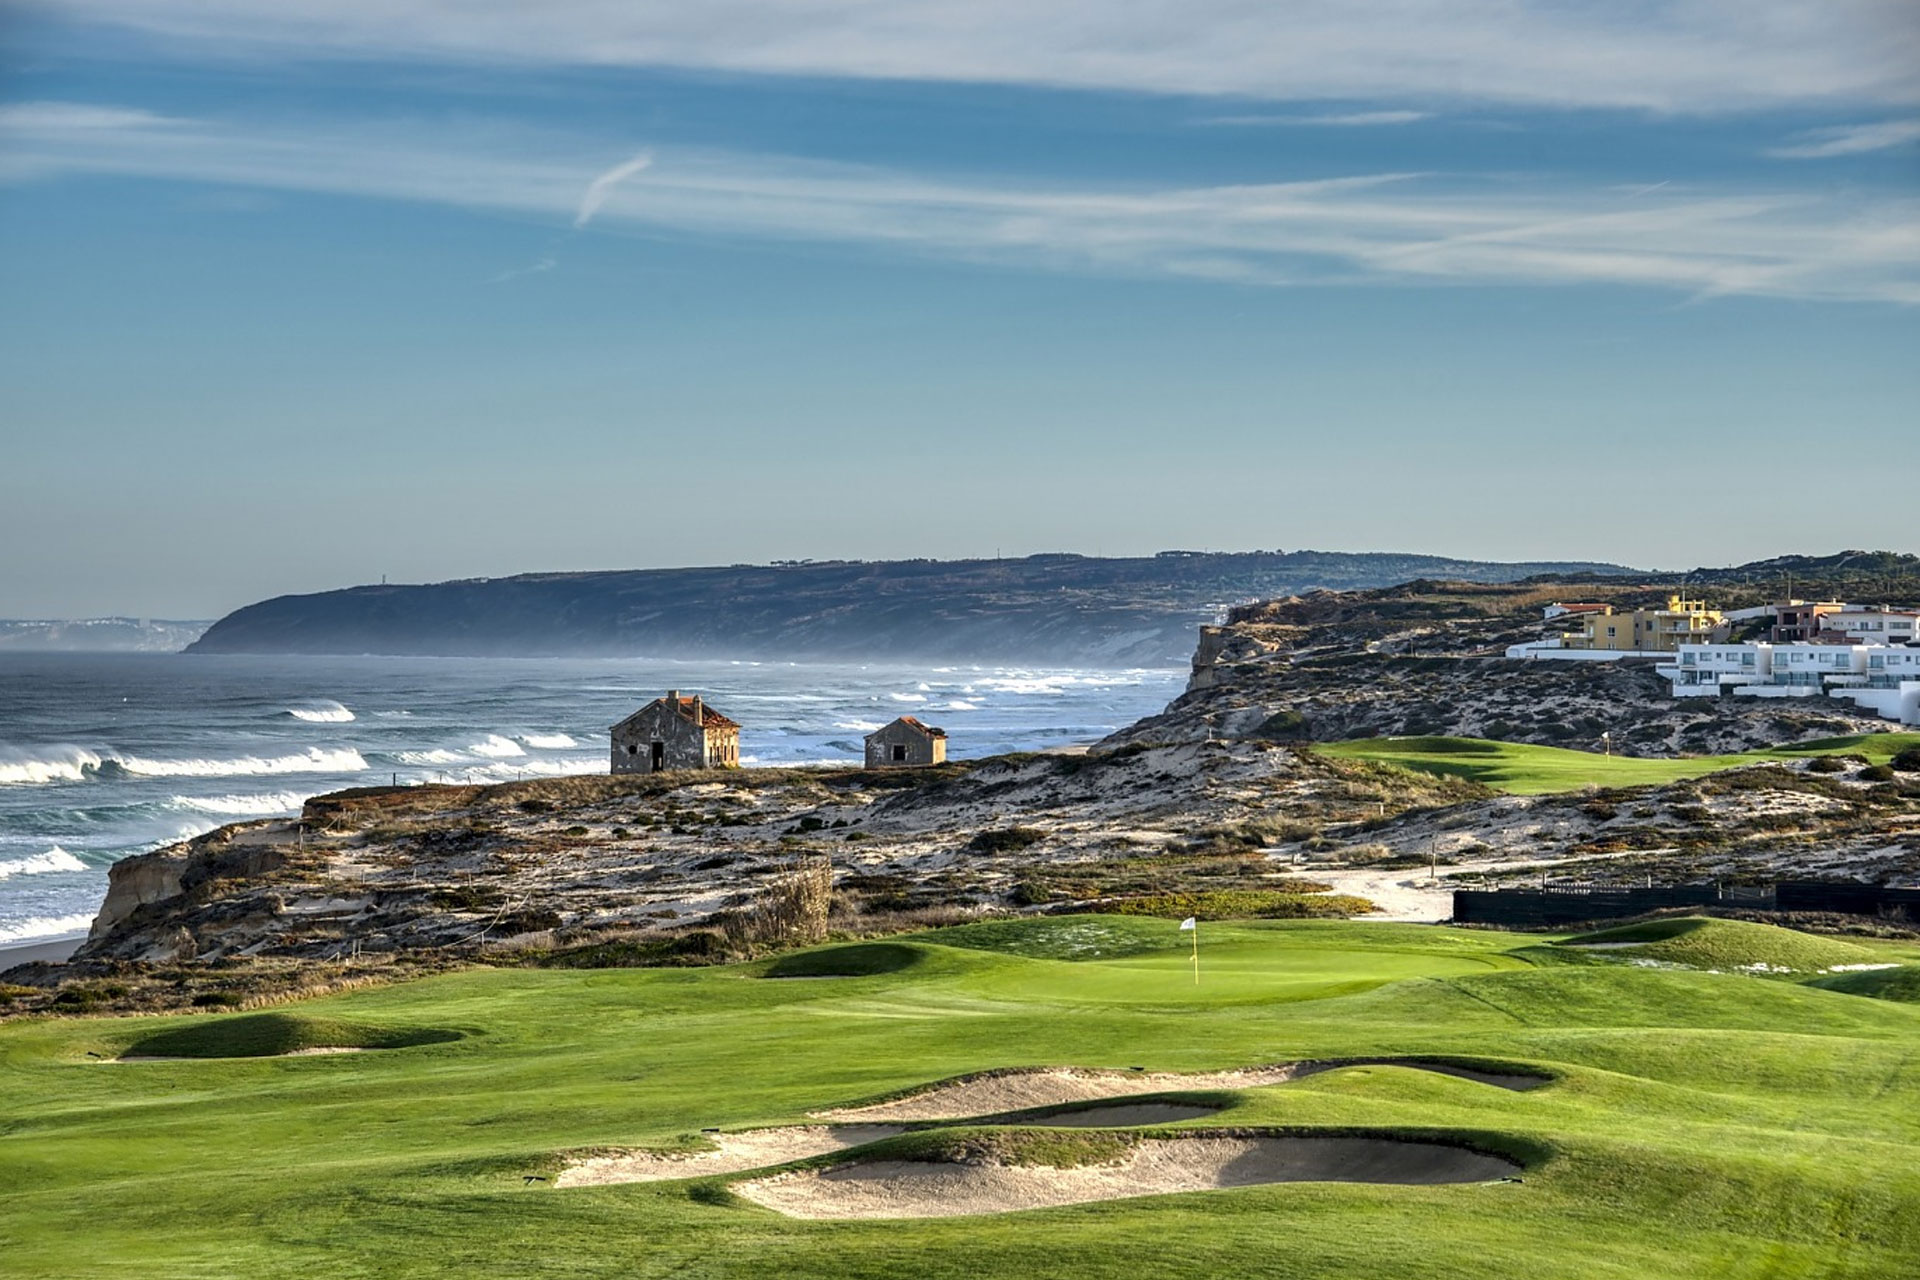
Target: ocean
[(105, 755)]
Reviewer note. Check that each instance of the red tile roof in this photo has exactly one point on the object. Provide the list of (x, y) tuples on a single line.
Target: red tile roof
[(710, 718), (927, 729)]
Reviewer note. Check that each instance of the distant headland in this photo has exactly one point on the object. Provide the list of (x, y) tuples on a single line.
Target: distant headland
[(1058, 609)]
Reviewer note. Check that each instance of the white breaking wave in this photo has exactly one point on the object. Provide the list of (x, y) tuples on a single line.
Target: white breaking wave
[(961, 704), (908, 697), (54, 859), (266, 805), (548, 767), (497, 748), (314, 760), (37, 927), (325, 711), (438, 755), (859, 726), (549, 741), (54, 764)]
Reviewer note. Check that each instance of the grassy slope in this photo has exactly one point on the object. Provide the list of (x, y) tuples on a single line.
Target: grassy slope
[(1727, 945), (1529, 770), (1706, 1125)]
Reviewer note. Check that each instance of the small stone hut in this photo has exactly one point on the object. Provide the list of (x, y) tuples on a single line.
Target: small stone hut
[(675, 733), (906, 744)]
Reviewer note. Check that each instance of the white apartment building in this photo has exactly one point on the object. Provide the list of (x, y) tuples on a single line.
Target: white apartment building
[(1864, 625), (1878, 678)]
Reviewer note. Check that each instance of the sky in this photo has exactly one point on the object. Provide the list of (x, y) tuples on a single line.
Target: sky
[(304, 294)]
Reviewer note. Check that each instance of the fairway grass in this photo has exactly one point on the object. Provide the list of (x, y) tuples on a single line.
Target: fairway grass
[(1524, 769), (1696, 1124)]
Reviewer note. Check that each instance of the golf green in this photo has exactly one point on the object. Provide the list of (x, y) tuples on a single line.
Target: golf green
[(1697, 1123)]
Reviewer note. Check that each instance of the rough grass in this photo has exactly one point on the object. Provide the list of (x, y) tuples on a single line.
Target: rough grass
[(1240, 904), (1700, 1124), (263, 1035), (1701, 942), (1524, 769)]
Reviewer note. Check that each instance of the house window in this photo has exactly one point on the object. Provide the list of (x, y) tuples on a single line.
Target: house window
[(899, 753)]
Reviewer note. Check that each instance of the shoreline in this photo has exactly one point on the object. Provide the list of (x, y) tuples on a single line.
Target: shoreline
[(49, 949)]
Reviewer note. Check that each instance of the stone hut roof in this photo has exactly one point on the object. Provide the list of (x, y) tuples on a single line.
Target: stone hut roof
[(709, 718), (927, 729)]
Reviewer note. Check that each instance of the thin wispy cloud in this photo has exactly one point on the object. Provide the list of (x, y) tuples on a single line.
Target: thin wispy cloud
[(1354, 229), (1349, 120), (1666, 55), (598, 190), (533, 269), (1849, 140)]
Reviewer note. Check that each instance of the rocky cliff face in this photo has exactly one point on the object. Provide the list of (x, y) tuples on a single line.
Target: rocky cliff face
[(1425, 658)]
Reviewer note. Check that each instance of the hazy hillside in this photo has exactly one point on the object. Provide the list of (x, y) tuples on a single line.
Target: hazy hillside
[(98, 635), (1062, 609)]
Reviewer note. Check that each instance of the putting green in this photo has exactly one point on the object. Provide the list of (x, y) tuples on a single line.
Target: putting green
[(1698, 1123), (1524, 769)]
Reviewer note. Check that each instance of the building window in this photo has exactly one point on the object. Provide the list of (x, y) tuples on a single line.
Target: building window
[(899, 753)]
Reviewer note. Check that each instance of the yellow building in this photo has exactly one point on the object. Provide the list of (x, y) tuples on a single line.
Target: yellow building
[(1647, 630)]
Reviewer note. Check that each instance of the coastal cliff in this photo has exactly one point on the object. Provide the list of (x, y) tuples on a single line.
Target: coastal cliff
[(1427, 658), (1063, 610)]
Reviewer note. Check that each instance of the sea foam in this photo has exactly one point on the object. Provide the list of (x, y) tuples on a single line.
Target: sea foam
[(36, 927), (264, 805), (54, 859), (52, 764), (549, 741), (324, 711), (313, 760), (497, 748)]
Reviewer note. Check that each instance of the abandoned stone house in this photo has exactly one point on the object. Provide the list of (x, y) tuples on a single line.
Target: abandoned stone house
[(906, 743), (675, 733)]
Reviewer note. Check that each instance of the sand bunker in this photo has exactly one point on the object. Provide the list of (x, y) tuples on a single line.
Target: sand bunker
[(733, 1153), (1002, 1092), (912, 1189), (1127, 1115), (997, 1093)]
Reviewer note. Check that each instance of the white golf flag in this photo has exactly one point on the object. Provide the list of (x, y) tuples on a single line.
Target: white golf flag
[(1187, 923)]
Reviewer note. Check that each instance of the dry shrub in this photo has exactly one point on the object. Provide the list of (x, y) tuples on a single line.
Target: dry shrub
[(789, 910)]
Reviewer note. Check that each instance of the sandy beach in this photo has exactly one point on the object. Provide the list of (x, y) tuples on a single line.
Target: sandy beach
[(48, 949)]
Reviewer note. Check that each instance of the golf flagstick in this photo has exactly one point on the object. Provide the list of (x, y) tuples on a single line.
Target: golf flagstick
[(1191, 925)]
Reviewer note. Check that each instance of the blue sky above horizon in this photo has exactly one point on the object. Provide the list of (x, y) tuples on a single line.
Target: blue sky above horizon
[(293, 296)]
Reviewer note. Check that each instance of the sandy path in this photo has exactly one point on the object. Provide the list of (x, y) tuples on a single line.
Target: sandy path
[(734, 1152), (1408, 894), (902, 1189)]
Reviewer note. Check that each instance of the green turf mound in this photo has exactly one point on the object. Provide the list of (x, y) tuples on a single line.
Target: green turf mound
[(1089, 937), (268, 1035), (1728, 946), (1901, 983), (863, 960)]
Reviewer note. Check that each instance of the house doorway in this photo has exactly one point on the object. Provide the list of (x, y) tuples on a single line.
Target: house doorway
[(659, 756)]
